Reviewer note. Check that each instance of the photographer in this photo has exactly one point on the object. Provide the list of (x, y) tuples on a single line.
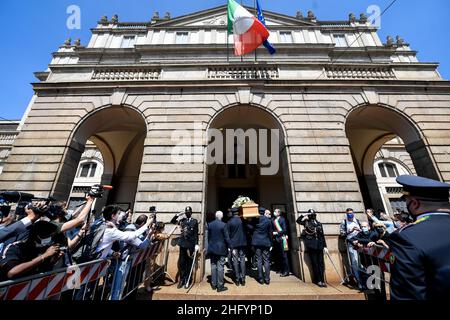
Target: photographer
[(112, 233), (39, 253), (19, 230), (58, 213)]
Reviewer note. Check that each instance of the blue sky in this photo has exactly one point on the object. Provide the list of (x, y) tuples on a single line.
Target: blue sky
[(31, 30)]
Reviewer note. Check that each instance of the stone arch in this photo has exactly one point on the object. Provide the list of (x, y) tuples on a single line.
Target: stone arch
[(368, 128), (252, 115), (119, 133)]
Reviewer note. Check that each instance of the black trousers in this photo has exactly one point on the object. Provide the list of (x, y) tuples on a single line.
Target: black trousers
[(283, 258), (185, 263), (263, 262), (238, 259), (318, 265)]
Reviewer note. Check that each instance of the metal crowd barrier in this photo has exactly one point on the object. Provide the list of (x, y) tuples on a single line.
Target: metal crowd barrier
[(374, 264), (94, 280)]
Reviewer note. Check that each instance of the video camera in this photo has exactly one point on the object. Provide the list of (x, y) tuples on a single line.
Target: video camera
[(152, 210), (23, 200), (98, 190)]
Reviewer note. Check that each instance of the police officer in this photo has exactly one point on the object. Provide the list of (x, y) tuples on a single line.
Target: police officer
[(421, 261), (315, 244), (188, 243)]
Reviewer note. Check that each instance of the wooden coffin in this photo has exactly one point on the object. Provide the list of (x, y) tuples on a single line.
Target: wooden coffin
[(250, 210)]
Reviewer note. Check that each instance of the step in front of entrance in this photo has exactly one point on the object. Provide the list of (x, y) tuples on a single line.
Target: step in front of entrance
[(288, 288)]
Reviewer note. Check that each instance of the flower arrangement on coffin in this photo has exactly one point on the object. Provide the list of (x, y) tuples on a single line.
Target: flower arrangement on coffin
[(247, 207)]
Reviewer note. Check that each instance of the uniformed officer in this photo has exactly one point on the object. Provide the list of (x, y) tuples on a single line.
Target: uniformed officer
[(421, 257), (188, 243), (314, 239)]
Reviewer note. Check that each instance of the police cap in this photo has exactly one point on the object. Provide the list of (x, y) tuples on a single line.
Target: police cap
[(424, 188)]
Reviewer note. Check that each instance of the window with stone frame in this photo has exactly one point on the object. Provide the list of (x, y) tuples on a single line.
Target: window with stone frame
[(388, 170), (87, 170), (286, 37), (128, 42), (340, 40), (181, 37)]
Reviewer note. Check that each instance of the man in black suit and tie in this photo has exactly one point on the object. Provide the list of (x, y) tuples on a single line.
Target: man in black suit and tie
[(218, 245), (188, 243), (262, 242), (239, 243)]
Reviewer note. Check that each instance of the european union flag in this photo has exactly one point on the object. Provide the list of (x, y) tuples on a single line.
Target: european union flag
[(261, 18)]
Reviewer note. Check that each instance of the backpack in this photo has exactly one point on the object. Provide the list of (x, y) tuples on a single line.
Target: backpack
[(345, 226), (86, 250)]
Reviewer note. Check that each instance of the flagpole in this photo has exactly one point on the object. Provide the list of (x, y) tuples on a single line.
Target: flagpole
[(256, 12), (242, 57), (228, 36)]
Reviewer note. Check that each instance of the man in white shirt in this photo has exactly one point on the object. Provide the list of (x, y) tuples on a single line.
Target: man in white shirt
[(112, 234)]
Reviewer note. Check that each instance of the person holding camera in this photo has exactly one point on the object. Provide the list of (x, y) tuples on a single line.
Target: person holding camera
[(19, 230), (314, 240), (188, 243), (39, 253), (112, 233)]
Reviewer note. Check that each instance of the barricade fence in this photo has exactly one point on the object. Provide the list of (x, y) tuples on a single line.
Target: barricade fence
[(374, 265), (102, 279)]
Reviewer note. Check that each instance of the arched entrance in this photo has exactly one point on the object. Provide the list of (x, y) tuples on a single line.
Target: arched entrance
[(119, 133), (232, 178), (368, 128)]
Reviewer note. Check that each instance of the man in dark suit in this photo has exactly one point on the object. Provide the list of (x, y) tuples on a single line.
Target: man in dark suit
[(421, 261), (262, 242), (280, 233), (188, 243), (218, 245), (314, 240), (239, 243)]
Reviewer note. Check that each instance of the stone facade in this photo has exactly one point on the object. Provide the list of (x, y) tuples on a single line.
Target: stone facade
[(335, 91)]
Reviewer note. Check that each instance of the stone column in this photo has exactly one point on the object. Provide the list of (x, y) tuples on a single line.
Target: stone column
[(422, 161)]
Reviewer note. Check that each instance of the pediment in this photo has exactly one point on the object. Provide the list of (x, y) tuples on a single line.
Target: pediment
[(218, 17)]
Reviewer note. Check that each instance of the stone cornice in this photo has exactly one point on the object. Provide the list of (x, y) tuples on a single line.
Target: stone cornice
[(202, 64), (92, 88)]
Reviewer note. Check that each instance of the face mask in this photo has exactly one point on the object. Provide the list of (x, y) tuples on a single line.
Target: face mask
[(365, 229), (312, 216), (44, 242), (350, 216)]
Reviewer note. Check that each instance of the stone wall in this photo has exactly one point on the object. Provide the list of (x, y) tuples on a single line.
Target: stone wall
[(322, 169)]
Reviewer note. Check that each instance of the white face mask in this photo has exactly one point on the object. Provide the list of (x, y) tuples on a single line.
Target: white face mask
[(44, 242)]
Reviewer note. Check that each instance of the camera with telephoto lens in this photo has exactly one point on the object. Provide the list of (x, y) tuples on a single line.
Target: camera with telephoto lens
[(98, 190), (5, 208), (23, 201), (152, 210)]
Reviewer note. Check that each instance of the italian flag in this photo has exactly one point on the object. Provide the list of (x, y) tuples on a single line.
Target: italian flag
[(249, 32)]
